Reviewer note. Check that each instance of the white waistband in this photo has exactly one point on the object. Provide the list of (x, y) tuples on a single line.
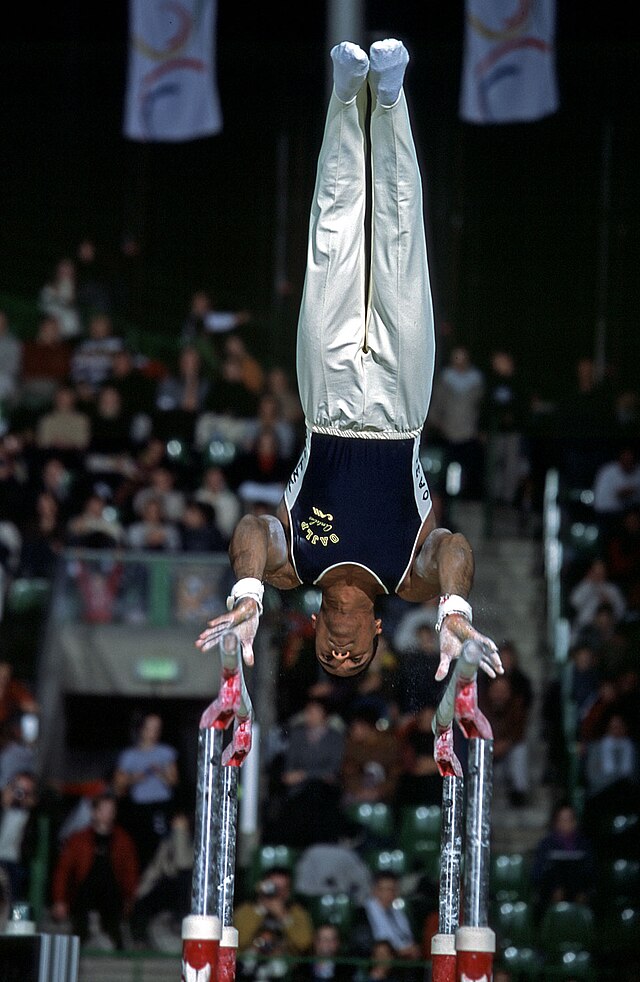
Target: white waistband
[(365, 434)]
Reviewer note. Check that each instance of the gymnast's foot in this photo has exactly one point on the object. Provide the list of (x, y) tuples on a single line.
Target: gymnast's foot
[(350, 67), (389, 60)]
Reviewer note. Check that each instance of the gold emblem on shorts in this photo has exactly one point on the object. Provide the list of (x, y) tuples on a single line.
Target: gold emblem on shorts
[(319, 528)]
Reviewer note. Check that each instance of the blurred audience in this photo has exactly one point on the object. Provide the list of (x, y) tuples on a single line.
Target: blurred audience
[(273, 907)]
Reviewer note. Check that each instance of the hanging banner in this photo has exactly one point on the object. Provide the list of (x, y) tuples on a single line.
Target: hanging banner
[(171, 91), (509, 72)]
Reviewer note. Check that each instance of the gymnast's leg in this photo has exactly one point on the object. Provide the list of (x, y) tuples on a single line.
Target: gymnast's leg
[(400, 328), (332, 313)]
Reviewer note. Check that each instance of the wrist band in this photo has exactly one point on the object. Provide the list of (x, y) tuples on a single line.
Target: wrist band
[(248, 586), (450, 603)]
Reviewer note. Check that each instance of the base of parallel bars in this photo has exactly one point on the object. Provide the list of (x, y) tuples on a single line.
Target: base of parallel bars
[(443, 958), (200, 947), (227, 955), (475, 947)]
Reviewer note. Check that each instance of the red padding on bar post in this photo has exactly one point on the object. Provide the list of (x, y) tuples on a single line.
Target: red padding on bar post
[(443, 958), (475, 947)]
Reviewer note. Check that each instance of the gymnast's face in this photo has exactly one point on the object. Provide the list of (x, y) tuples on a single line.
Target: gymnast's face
[(344, 640)]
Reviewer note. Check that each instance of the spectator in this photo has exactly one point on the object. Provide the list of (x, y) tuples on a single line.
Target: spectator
[(623, 557), (97, 871), (198, 531), (420, 782), (279, 386), (18, 831), (187, 390), (215, 491), (145, 780), (519, 680), (454, 417), (585, 679), (417, 687), (612, 759), (563, 863), (586, 410), (165, 885), (310, 776), (93, 293), (240, 383), (509, 717), (43, 538), (46, 362), (371, 761), (153, 531), (604, 636), (10, 360), (617, 486), (17, 753), (92, 529), (502, 419), (110, 424), (327, 947), (15, 697), (273, 902), (204, 318), (137, 390), (64, 429), (381, 967), (331, 868), (381, 919), (265, 958), (161, 487), (594, 589), (270, 418), (58, 299), (91, 360), (262, 464)]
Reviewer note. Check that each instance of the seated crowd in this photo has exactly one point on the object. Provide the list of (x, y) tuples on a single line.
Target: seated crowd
[(102, 446)]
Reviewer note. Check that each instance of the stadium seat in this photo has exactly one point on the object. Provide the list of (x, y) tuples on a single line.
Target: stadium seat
[(332, 908), (619, 931), (509, 878), (270, 857), (28, 594), (377, 818), (566, 927), (419, 825), (425, 858), (513, 924), (388, 861), (522, 963), (618, 835), (621, 882), (572, 965)]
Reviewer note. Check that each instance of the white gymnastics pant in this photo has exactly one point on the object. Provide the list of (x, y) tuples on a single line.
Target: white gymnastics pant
[(365, 368)]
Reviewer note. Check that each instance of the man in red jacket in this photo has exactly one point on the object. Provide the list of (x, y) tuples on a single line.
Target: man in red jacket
[(97, 871)]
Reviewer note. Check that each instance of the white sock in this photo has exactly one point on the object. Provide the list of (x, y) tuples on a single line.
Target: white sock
[(350, 67), (389, 60)]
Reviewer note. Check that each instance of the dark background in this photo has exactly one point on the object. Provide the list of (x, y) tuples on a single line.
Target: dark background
[(514, 212)]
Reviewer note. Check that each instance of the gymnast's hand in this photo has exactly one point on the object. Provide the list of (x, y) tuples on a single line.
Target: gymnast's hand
[(455, 630), (243, 620)]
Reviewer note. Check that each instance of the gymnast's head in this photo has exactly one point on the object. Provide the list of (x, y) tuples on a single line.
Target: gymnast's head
[(346, 640)]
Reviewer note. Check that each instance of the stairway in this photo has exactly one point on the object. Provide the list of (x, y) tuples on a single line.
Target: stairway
[(509, 603)]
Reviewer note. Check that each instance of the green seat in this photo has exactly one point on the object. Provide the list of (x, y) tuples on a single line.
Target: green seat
[(420, 824), (513, 924), (28, 594), (619, 931), (566, 927), (377, 818), (509, 877), (522, 963), (270, 857), (621, 882), (388, 861), (425, 858), (583, 538), (572, 965), (332, 908)]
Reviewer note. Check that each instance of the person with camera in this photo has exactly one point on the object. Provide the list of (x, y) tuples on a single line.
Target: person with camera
[(273, 904), (18, 834)]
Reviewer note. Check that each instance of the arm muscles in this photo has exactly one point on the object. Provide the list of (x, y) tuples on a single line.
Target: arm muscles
[(445, 564), (258, 547)]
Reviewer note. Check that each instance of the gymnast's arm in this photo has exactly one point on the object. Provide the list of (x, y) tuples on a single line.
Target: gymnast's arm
[(258, 549), (445, 566)]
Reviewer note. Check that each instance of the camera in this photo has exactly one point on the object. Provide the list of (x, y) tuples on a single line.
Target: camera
[(267, 889)]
